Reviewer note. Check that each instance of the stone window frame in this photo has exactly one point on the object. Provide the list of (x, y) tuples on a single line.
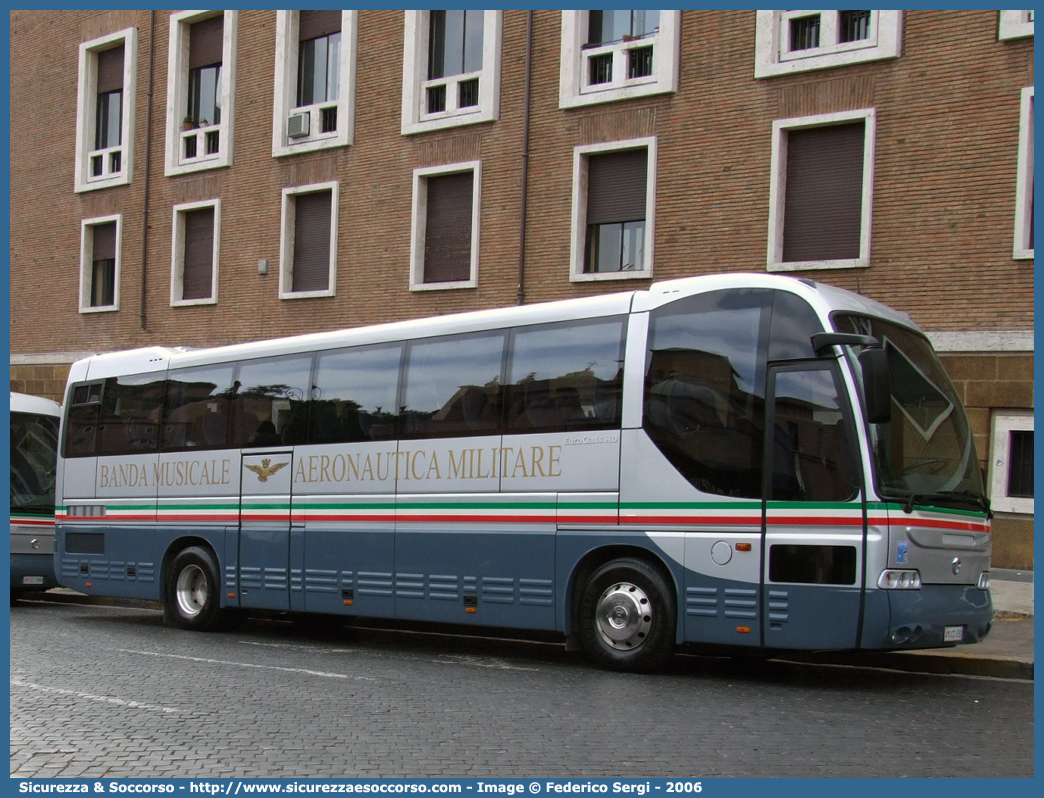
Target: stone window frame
[(418, 221), (572, 91), (177, 91), (177, 253), (86, 99), (1003, 424), (1014, 24), (286, 240), (1024, 179), (414, 76), (87, 262), (578, 210), (770, 58), (286, 56), (778, 181)]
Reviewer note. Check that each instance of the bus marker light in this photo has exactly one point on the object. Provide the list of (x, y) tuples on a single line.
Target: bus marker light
[(743, 547), (88, 584), (348, 602), (743, 630), (231, 595), (470, 609)]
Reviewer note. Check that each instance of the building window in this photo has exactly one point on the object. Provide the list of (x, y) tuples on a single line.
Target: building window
[(445, 233), (797, 41), (1011, 463), (105, 110), (1024, 183), (194, 253), (1015, 24), (308, 252), (451, 69), (613, 208), (821, 190), (314, 80), (200, 90), (100, 263), (616, 54)]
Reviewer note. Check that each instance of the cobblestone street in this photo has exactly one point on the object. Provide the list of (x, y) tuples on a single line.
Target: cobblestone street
[(108, 691)]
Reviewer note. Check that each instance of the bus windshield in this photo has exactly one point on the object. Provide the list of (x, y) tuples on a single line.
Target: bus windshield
[(34, 446), (925, 454)]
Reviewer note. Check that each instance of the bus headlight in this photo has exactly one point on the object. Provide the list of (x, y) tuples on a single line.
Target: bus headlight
[(897, 579)]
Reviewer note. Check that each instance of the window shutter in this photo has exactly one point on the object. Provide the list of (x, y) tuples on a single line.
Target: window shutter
[(104, 243), (822, 217), (205, 42), (110, 70), (447, 239), (312, 242), (616, 183), (197, 278), (313, 24)]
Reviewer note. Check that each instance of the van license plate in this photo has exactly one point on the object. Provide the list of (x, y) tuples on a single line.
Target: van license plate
[(32, 580), (953, 634)]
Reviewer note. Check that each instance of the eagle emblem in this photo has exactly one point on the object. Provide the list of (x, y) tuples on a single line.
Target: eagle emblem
[(266, 469)]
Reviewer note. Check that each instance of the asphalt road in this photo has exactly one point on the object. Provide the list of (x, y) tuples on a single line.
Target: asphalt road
[(109, 691)]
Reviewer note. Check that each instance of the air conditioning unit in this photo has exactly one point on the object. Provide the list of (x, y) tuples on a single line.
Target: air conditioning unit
[(297, 126)]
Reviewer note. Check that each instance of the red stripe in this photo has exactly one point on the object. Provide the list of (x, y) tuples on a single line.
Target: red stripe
[(31, 523), (165, 517), (691, 520), (964, 526)]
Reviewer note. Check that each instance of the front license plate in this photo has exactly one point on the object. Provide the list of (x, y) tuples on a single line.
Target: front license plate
[(32, 580), (953, 634)]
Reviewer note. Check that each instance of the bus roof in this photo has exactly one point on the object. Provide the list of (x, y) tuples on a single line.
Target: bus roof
[(26, 403), (824, 298)]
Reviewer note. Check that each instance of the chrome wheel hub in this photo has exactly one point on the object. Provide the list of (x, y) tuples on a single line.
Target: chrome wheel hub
[(623, 616), (192, 590)]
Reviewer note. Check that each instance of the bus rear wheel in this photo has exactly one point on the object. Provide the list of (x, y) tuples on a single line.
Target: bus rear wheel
[(626, 616), (191, 599)]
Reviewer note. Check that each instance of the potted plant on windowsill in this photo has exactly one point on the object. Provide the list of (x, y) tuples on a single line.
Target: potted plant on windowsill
[(188, 123)]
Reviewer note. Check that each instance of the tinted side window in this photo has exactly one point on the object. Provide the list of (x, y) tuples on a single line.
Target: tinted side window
[(812, 457), (81, 426), (270, 396), (354, 396), (34, 447), (704, 389), (130, 415), (452, 386), (198, 408), (565, 377)]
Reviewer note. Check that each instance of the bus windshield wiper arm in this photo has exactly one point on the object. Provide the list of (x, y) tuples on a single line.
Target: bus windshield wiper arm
[(978, 499), (913, 497)]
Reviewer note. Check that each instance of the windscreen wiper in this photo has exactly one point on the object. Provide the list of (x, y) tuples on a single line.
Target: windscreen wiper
[(978, 499), (913, 497)]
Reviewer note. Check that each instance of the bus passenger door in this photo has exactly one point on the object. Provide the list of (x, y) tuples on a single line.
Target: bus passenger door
[(264, 530), (815, 513)]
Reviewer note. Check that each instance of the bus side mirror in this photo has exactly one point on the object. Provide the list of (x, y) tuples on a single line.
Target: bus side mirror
[(877, 391)]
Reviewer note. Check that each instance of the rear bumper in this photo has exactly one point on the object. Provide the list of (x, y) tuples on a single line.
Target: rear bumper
[(32, 572)]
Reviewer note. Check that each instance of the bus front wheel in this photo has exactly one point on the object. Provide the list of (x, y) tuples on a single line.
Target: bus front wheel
[(626, 616), (191, 600)]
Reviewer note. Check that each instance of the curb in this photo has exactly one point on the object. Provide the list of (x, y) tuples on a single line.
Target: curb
[(965, 662)]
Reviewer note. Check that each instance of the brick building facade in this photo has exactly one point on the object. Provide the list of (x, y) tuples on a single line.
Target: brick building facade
[(447, 161)]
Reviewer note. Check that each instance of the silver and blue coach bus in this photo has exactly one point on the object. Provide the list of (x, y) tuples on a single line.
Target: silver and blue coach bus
[(750, 462), (34, 451)]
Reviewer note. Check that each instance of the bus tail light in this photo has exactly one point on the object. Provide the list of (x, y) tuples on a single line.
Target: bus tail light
[(899, 579)]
